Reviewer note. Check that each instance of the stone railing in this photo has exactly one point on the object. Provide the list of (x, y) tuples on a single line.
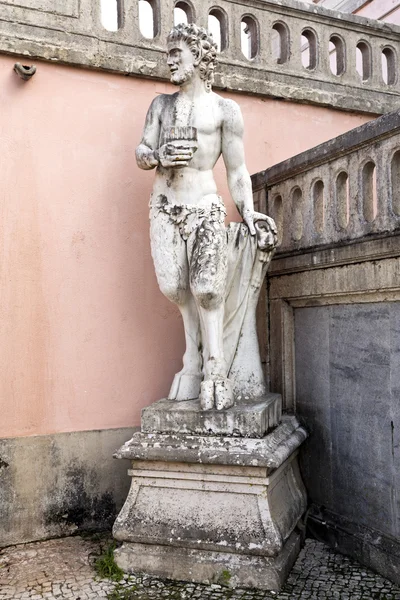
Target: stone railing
[(294, 50), (342, 190)]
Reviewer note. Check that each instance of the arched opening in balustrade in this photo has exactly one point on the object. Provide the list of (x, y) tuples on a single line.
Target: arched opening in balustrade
[(309, 49), (218, 27), (297, 214), (111, 14), (277, 215), (395, 181), (364, 60), (318, 205), (249, 36), (183, 13), (369, 193), (148, 18), (280, 42), (389, 66), (337, 55), (342, 199)]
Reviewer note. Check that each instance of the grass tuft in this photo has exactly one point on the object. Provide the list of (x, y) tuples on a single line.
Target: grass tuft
[(106, 567), (225, 578)]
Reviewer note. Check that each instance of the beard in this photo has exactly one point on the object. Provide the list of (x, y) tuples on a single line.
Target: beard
[(182, 75)]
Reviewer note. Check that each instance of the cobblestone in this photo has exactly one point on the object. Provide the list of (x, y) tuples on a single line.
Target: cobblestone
[(63, 569)]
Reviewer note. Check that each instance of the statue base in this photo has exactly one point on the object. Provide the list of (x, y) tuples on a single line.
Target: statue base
[(213, 509), (245, 418), (204, 566)]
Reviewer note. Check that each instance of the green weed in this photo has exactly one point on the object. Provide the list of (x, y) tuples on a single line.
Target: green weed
[(225, 578), (121, 593), (106, 567)]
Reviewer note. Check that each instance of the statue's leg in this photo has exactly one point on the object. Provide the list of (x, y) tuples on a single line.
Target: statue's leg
[(171, 265), (216, 389), (207, 249), (186, 383)]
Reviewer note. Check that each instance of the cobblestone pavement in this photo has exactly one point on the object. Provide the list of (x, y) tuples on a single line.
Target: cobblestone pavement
[(63, 568)]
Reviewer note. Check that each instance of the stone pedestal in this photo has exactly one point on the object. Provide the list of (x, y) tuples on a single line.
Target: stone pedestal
[(247, 418), (211, 509)]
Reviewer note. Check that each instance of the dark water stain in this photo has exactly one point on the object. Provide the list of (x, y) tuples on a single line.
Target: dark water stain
[(76, 505), (3, 464)]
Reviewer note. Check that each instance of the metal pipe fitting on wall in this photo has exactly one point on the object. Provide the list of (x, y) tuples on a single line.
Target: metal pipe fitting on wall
[(24, 71)]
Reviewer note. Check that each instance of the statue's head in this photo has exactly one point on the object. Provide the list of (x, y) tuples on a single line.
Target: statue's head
[(191, 47)]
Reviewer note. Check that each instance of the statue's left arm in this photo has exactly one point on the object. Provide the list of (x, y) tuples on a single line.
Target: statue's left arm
[(239, 181)]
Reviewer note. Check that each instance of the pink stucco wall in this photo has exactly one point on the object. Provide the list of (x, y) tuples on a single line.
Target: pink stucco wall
[(386, 10), (86, 338)]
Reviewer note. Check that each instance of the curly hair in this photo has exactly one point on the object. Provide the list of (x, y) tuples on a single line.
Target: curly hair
[(202, 46)]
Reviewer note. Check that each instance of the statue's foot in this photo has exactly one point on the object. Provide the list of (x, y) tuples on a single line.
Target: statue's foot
[(216, 394), (223, 394), (207, 395), (185, 386)]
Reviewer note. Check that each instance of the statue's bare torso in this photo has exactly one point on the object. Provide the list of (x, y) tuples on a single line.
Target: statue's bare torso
[(219, 126), (191, 183)]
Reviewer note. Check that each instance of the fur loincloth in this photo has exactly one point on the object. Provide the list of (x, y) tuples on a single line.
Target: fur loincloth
[(189, 217)]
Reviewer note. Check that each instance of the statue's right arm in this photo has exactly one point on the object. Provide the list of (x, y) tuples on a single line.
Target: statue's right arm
[(147, 151)]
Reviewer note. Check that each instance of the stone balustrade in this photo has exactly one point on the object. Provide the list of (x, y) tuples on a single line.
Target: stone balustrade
[(293, 51), (343, 190)]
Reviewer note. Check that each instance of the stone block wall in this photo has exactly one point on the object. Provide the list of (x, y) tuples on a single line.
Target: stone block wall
[(334, 334), (347, 389)]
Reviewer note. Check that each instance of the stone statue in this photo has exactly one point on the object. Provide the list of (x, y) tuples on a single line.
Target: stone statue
[(213, 491), (212, 272)]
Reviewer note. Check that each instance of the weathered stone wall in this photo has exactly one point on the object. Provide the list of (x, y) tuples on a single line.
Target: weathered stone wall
[(298, 51), (334, 336), (347, 359), (54, 485)]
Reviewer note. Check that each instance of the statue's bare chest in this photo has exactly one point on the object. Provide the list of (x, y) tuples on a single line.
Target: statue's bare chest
[(204, 114)]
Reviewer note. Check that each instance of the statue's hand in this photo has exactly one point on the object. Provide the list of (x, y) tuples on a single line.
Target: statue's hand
[(248, 218), (175, 155), (267, 234)]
